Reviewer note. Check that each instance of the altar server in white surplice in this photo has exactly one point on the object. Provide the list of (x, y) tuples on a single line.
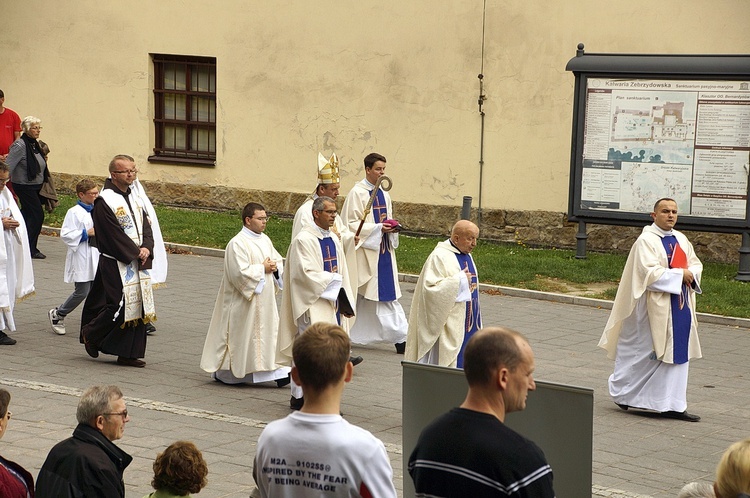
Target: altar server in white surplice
[(241, 341), (652, 331), (17, 278), (316, 283), (380, 317), (445, 309)]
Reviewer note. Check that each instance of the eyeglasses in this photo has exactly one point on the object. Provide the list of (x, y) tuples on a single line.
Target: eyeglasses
[(123, 414), (35, 128), (330, 211), (127, 172), (4, 182)]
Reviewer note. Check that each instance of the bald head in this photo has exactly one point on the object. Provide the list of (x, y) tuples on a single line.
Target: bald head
[(464, 236)]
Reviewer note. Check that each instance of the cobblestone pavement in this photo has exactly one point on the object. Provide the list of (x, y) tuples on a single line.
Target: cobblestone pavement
[(634, 455)]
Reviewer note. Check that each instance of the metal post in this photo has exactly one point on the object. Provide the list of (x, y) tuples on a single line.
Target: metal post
[(466, 208), (743, 275), (581, 237)]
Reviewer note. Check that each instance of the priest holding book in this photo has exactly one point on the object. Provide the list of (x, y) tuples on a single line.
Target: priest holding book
[(652, 331)]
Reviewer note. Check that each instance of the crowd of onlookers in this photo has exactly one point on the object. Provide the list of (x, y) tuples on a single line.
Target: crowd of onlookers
[(315, 452)]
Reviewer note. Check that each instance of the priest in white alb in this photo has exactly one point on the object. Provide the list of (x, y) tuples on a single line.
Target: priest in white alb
[(316, 284), (380, 317), (240, 345), (652, 331), (328, 186), (17, 278), (445, 310)]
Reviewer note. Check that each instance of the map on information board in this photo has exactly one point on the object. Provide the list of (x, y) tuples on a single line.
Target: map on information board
[(647, 139)]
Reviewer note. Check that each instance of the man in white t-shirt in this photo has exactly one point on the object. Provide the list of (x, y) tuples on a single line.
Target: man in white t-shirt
[(315, 452)]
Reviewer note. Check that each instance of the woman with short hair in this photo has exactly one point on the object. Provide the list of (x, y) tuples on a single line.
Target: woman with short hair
[(27, 170), (179, 471)]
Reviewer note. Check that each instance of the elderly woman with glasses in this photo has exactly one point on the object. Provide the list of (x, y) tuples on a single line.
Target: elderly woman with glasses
[(28, 168), (15, 482)]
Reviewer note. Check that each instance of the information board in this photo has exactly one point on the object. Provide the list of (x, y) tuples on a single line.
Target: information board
[(644, 130)]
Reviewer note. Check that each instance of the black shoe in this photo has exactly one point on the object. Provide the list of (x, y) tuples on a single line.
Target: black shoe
[(283, 381), (6, 340), (400, 347), (356, 360), (622, 407), (687, 417), (38, 255), (130, 362), (296, 403), (150, 329), (91, 350)]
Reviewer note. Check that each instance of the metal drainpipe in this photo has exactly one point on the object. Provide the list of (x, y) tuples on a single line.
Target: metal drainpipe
[(480, 101)]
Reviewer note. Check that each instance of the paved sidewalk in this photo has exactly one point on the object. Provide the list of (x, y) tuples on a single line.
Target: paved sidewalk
[(173, 399)]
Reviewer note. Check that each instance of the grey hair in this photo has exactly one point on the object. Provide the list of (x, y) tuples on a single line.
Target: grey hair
[(95, 401), (697, 490), (29, 121), (320, 203)]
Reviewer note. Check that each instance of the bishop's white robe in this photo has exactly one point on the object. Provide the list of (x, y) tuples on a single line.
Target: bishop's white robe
[(378, 320), (639, 334), (16, 271), (438, 317), (242, 337)]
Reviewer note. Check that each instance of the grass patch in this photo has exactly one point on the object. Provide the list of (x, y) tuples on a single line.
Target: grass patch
[(549, 270)]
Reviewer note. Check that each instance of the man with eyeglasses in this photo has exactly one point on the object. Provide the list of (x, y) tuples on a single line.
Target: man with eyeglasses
[(120, 302), (316, 284), (17, 279), (240, 344), (88, 463)]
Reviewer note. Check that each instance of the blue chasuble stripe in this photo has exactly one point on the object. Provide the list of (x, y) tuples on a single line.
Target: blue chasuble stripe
[(386, 285), (682, 318), (473, 317), (330, 264)]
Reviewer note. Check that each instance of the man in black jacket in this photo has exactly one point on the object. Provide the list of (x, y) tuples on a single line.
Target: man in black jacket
[(88, 464)]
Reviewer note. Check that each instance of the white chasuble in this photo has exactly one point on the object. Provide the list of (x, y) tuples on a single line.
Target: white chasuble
[(243, 332)]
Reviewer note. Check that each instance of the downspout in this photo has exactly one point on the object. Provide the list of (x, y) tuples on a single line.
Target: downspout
[(480, 101)]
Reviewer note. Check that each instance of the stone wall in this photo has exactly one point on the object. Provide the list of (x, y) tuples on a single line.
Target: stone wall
[(531, 228)]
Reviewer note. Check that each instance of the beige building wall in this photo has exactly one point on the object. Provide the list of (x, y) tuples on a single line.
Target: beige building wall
[(298, 77)]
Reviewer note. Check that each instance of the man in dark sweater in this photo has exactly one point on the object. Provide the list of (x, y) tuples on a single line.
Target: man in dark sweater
[(89, 463), (469, 451)]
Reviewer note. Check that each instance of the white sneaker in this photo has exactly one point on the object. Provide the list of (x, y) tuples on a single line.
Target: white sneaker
[(58, 323)]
